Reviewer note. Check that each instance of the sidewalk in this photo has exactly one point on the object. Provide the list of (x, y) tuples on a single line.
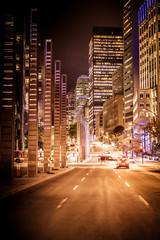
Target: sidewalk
[(25, 182), (152, 167)]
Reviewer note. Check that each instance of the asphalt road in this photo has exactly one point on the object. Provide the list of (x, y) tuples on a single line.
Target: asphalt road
[(86, 204)]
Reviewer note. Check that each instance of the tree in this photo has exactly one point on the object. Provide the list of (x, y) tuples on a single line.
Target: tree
[(73, 131), (118, 130), (153, 128)]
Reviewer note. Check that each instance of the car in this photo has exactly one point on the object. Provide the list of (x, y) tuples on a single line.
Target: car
[(122, 162)]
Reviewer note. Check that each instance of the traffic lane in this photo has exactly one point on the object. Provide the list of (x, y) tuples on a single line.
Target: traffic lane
[(97, 205), (31, 210), (102, 207), (145, 184)]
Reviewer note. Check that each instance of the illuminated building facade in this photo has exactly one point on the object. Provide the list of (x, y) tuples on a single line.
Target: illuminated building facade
[(57, 113), (11, 87), (47, 103), (149, 56), (71, 112), (147, 98), (82, 92), (33, 97), (7, 100), (130, 59), (105, 56), (63, 119), (60, 109)]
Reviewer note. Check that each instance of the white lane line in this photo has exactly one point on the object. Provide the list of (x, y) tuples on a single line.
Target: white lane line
[(75, 187), (87, 174), (143, 200), (127, 184), (62, 202), (119, 176), (82, 179)]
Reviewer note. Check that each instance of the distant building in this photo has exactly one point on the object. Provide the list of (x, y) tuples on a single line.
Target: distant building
[(113, 113), (105, 56), (117, 81), (113, 107), (71, 112), (82, 92), (99, 125)]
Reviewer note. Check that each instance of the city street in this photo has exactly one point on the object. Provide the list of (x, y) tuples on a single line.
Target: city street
[(89, 203)]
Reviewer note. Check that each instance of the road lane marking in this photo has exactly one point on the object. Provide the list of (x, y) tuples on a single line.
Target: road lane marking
[(82, 179), (119, 176), (127, 184), (75, 187), (143, 200), (62, 202), (87, 174)]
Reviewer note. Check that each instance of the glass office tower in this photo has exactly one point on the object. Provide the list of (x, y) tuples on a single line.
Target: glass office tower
[(105, 56), (131, 58)]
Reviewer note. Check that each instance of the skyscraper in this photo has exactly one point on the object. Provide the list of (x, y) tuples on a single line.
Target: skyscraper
[(60, 109), (149, 57), (147, 97), (131, 58), (63, 119), (33, 97), (57, 113), (7, 99), (82, 92), (105, 56), (47, 103)]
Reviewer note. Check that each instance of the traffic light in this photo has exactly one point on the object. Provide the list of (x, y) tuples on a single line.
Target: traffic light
[(130, 140), (141, 148)]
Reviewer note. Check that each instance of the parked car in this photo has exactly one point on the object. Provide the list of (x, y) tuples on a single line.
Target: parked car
[(104, 158), (122, 162)]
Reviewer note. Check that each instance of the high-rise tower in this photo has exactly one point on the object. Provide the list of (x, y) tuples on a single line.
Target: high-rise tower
[(33, 97), (57, 113), (7, 100), (47, 103), (63, 119), (105, 56), (131, 58)]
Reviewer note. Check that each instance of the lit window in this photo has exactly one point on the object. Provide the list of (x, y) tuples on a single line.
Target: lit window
[(141, 114)]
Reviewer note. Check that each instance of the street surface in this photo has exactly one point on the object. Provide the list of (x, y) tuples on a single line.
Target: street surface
[(86, 203)]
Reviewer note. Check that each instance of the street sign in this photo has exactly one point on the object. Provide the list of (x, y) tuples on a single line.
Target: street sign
[(50, 165)]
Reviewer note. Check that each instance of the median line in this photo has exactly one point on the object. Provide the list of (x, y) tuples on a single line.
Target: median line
[(82, 179), (143, 200), (62, 202), (127, 184), (75, 187)]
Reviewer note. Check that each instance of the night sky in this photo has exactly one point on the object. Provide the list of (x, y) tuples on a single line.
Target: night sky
[(69, 24)]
